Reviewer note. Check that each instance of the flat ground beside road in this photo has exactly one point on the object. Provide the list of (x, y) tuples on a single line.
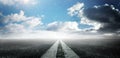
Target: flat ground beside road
[(24, 48), (95, 48)]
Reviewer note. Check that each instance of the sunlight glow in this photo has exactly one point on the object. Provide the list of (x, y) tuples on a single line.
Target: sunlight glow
[(25, 1), (50, 35)]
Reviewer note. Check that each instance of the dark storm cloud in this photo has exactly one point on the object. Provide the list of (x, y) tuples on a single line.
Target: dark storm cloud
[(107, 15)]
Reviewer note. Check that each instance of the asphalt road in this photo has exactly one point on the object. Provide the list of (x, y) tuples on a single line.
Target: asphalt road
[(74, 48)]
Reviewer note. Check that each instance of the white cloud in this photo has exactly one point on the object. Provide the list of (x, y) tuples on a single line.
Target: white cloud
[(7, 2), (34, 22), (53, 26), (19, 22), (18, 2), (63, 26), (75, 8), (78, 9), (69, 26), (17, 17), (14, 28), (86, 21), (20, 26)]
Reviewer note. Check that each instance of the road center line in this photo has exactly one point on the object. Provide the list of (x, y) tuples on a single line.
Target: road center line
[(68, 51), (60, 52), (51, 53)]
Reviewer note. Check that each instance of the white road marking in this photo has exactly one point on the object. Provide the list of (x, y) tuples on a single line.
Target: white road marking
[(68, 51), (51, 53)]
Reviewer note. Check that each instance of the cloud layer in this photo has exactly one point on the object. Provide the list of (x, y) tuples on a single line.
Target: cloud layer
[(104, 18), (63, 26), (18, 22), (18, 2), (107, 15)]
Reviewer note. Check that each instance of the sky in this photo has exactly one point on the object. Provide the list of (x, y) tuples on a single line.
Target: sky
[(59, 18)]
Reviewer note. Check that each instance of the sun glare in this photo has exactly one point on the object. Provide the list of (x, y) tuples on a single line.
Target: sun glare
[(25, 1)]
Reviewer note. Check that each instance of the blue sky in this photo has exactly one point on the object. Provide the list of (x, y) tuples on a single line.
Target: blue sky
[(53, 10), (50, 15)]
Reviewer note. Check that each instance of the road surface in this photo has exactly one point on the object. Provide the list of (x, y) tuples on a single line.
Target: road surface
[(81, 48), (60, 50)]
